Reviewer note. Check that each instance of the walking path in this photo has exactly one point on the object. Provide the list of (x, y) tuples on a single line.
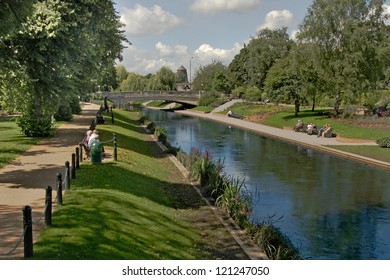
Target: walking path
[(23, 182)]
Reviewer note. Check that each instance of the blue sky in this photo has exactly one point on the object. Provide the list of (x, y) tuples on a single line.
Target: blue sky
[(194, 32)]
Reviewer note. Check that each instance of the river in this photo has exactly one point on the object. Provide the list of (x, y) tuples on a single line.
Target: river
[(330, 208)]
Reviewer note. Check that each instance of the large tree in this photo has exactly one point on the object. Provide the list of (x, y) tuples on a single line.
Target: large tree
[(349, 35), (251, 65), (212, 76), (64, 47)]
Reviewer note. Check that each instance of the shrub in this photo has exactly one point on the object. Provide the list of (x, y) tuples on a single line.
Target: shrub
[(384, 142), (36, 126), (161, 133), (276, 245), (64, 113)]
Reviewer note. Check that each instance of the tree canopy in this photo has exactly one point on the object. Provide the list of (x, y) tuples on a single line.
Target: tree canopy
[(350, 37), (62, 49)]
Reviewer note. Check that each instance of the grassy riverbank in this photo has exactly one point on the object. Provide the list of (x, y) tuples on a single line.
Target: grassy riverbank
[(12, 141), (137, 208)]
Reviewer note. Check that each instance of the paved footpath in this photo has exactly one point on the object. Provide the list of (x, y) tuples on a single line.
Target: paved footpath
[(23, 182)]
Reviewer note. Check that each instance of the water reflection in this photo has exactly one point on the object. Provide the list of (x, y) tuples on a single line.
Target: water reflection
[(330, 208)]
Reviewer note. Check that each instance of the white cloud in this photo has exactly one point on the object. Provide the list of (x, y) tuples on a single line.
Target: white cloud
[(144, 62), (142, 21), (166, 50), (277, 19), (213, 6), (206, 53)]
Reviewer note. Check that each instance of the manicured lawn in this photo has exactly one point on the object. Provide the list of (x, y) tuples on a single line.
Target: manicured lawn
[(134, 208), (12, 141)]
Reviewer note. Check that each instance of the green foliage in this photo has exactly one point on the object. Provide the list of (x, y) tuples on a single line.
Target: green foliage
[(64, 113), (161, 133), (34, 124), (209, 98), (252, 64), (351, 38), (384, 142), (212, 77), (60, 50), (252, 94), (276, 245)]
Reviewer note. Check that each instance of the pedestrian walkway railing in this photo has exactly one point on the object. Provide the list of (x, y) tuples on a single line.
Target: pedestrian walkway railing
[(61, 185)]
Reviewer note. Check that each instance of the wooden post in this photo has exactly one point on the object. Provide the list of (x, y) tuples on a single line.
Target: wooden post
[(77, 158), (59, 189), (67, 175), (115, 148), (27, 229), (81, 152), (73, 168), (48, 204)]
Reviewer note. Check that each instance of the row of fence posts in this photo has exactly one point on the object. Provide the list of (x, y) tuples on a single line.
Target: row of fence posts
[(70, 173)]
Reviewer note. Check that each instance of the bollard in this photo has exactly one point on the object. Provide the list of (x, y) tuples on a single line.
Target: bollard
[(59, 189), (67, 175), (115, 148), (77, 158), (73, 167), (81, 152), (27, 229), (48, 204)]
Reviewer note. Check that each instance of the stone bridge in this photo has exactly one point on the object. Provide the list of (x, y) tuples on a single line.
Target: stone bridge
[(123, 97)]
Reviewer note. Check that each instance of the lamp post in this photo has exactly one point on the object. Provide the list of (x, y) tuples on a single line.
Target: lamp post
[(190, 72)]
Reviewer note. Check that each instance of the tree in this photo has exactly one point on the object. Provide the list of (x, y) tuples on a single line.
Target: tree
[(251, 65), (63, 47), (121, 73), (221, 82), (166, 77), (205, 75), (348, 35), (283, 84)]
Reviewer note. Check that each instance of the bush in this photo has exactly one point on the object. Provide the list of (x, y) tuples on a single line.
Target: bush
[(350, 111), (384, 142), (64, 113), (36, 126), (161, 133), (208, 99)]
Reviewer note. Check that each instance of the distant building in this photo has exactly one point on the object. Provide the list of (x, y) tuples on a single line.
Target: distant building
[(181, 83)]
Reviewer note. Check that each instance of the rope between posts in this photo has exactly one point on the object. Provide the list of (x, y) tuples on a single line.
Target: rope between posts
[(17, 244), (108, 141), (40, 217)]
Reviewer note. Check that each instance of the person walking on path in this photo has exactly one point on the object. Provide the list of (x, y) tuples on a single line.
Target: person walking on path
[(23, 181)]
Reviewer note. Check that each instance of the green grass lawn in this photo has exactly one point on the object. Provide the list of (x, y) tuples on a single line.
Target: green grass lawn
[(130, 209), (12, 141)]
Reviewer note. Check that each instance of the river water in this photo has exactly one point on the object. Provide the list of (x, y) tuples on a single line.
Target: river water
[(330, 208)]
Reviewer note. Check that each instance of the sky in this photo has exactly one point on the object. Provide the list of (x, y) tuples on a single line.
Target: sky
[(193, 33)]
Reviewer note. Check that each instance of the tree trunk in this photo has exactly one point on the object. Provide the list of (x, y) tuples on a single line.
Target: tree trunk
[(337, 103), (314, 104), (296, 103)]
